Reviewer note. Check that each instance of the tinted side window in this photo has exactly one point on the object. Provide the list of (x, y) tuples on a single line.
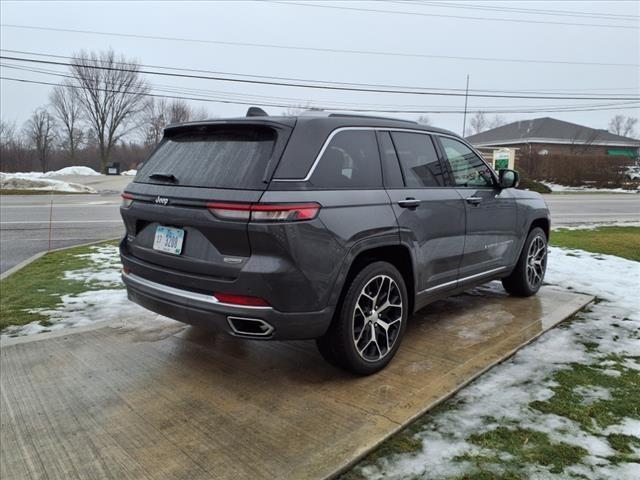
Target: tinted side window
[(351, 160), (418, 159), (467, 168)]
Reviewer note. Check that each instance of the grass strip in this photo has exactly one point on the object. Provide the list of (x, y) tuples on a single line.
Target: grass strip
[(41, 285), (620, 241)]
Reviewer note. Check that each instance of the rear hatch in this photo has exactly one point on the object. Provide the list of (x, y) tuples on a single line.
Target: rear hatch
[(169, 209)]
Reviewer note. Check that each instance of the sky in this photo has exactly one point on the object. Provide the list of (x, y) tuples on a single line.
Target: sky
[(387, 43)]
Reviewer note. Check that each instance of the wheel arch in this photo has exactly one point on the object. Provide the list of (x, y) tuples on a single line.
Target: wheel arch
[(543, 223), (395, 253)]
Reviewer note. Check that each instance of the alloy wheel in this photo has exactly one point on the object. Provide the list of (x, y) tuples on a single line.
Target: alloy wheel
[(377, 318), (536, 261)]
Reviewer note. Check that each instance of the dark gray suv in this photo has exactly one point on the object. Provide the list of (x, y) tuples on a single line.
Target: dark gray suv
[(324, 226)]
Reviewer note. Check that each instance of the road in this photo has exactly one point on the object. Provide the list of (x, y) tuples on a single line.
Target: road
[(76, 219), (574, 209)]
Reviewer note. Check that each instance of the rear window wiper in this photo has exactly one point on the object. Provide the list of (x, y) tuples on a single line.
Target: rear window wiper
[(169, 177)]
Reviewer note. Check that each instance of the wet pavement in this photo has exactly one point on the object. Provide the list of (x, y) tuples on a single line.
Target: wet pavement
[(152, 398)]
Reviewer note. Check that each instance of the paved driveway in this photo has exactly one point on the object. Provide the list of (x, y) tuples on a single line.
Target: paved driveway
[(152, 399)]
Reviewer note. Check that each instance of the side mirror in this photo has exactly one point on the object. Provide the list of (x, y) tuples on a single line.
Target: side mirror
[(509, 178)]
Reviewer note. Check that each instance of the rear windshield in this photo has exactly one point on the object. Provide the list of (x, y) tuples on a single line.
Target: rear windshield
[(220, 158)]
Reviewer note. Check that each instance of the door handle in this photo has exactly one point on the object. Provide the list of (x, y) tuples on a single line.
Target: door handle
[(473, 200), (409, 203)]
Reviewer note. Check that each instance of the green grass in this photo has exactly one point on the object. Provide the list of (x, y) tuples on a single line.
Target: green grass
[(405, 441), (624, 390), (524, 446), (40, 285), (621, 241), (15, 191)]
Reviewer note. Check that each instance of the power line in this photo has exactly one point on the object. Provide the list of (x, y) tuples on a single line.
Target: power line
[(529, 11), (290, 79), (280, 105), (312, 85), (322, 50), (313, 104), (459, 17)]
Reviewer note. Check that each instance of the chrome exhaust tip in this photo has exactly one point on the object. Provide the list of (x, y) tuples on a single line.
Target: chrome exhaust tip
[(250, 327)]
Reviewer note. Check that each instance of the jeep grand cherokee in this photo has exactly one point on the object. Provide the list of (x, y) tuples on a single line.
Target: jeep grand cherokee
[(326, 226)]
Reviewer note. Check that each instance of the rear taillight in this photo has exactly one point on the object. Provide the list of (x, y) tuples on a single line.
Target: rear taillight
[(284, 212), (242, 300), (265, 212), (230, 211), (127, 200)]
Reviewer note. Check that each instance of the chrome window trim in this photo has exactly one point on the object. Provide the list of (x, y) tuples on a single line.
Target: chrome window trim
[(494, 174), (333, 133), (186, 294), (470, 277)]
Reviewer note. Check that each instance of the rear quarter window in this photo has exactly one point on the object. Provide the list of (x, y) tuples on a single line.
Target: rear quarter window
[(234, 158), (350, 160)]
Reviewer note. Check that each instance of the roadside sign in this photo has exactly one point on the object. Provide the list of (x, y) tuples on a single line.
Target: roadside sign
[(504, 158)]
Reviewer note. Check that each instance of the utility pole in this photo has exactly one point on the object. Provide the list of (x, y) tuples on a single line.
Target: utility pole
[(466, 97)]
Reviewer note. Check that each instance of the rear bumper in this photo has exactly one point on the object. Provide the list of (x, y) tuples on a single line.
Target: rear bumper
[(205, 311)]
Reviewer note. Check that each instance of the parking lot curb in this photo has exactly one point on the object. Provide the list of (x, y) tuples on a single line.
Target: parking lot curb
[(33, 258)]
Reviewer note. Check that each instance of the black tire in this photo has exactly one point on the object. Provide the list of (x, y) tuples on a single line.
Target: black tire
[(354, 318), (519, 283)]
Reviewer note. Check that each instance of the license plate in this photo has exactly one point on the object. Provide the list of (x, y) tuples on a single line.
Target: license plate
[(169, 240)]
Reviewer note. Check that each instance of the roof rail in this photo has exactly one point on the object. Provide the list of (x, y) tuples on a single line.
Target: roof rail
[(372, 117)]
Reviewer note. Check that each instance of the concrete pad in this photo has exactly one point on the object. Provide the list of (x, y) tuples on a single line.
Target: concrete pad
[(155, 399)]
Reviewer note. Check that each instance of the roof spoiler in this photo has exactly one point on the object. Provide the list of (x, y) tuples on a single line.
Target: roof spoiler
[(256, 112)]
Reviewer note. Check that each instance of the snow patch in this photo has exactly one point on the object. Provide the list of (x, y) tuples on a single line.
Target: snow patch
[(591, 394), (10, 181), (556, 187), (108, 303), (76, 170), (503, 395), (593, 226), (129, 173)]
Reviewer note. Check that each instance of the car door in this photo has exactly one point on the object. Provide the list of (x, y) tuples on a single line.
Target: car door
[(490, 240), (430, 214)]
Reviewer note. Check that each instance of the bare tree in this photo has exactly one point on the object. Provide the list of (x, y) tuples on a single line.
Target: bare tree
[(111, 92), (629, 127), (155, 113), (180, 111), (621, 125), (424, 120), (582, 140), (497, 121), (158, 113), (67, 110), (7, 134), (40, 132), (201, 113), (478, 123), (295, 110)]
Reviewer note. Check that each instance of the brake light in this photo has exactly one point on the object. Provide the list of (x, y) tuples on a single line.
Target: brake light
[(265, 212), (243, 300), (127, 200), (284, 212), (230, 211)]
